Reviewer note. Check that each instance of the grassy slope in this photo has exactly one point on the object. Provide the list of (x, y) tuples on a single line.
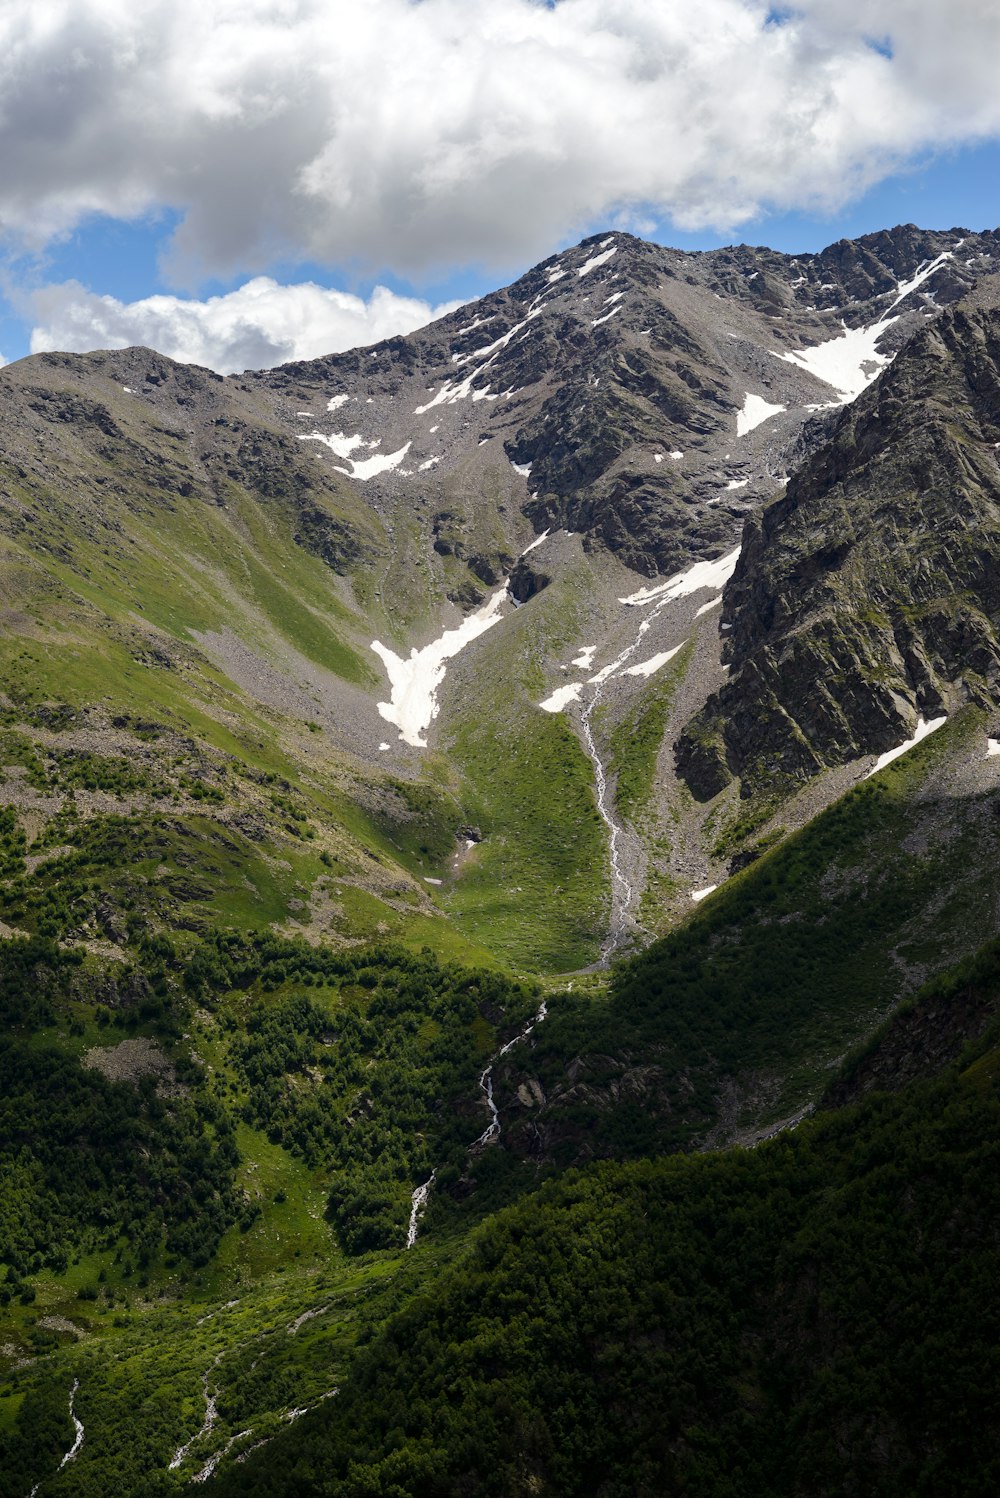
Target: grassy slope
[(95, 643), (119, 599), (740, 1016), (536, 890)]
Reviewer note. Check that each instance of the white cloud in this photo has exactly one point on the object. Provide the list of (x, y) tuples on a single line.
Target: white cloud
[(259, 325), (452, 131)]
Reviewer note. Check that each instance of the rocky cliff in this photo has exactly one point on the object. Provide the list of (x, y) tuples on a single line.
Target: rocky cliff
[(867, 595)]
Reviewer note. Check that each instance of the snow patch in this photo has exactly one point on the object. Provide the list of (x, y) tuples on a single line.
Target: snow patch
[(647, 668), (595, 322), (713, 603), (923, 729), (342, 446), (699, 894), (848, 363), (657, 457), (755, 410), (992, 747), (596, 260), (851, 361), (712, 575), (480, 322), (585, 659), (336, 401), (338, 442), (737, 483), (429, 463), (367, 468), (449, 393), (523, 468), (676, 456), (415, 681), (492, 349), (536, 542), (561, 697)]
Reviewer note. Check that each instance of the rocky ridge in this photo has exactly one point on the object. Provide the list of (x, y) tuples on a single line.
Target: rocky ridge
[(644, 396), (867, 595)]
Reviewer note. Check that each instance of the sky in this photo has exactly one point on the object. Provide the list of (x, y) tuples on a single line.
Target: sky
[(242, 182)]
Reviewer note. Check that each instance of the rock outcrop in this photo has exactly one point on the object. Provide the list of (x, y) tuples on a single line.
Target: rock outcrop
[(867, 595)]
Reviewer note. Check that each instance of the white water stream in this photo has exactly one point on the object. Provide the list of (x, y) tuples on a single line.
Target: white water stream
[(211, 1415), (213, 1461), (78, 1434), (621, 889), (74, 1450), (418, 1200), (622, 892), (701, 575)]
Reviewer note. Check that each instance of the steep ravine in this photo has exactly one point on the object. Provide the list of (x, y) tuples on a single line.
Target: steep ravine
[(627, 855)]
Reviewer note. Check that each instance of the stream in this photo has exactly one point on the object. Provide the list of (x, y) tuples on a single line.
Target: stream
[(211, 1415), (703, 576), (78, 1433), (74, 1450), (418, 1201), (622, 892)]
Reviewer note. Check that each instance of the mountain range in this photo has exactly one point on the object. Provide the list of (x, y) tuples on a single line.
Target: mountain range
[(467, 798)]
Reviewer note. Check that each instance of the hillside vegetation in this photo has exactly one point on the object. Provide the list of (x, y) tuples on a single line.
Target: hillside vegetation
[(357, 1137), (815, 1316)]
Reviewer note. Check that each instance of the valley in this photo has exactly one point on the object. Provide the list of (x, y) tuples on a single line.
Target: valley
[(497, 900)]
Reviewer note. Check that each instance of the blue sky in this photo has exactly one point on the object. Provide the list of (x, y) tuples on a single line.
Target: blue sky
[(410, 156)]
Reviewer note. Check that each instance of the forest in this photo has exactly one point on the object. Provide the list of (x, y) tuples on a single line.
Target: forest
[(815, 1316)]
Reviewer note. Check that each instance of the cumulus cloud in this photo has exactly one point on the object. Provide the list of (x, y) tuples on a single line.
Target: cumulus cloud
[(259, 325), (419, 135)]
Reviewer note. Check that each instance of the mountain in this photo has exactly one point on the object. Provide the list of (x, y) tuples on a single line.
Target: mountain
[(453, 792), (629, 396), (615, 410)]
